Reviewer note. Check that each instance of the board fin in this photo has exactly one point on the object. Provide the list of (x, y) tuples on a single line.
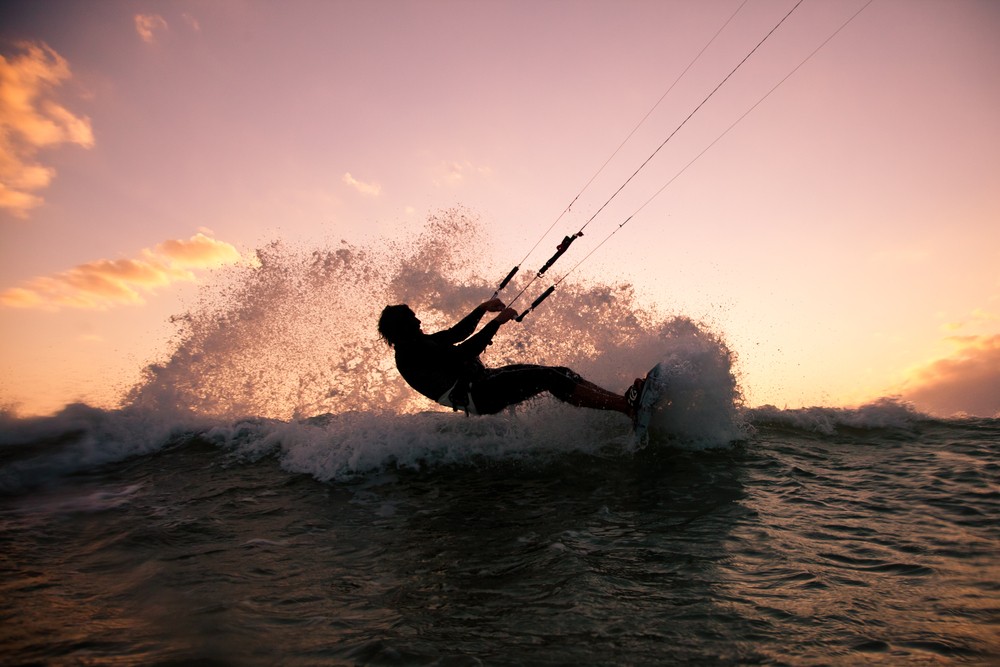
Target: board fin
[(652, 389)]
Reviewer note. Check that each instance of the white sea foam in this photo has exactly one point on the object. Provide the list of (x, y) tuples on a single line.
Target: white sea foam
[(339, 447)]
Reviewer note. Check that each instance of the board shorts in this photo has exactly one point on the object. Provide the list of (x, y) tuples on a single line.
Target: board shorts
[(496, 388)]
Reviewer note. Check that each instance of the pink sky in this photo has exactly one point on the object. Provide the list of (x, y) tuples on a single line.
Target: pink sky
[(844, 237)]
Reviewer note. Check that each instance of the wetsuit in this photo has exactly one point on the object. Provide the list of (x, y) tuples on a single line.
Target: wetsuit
[(445, 367)]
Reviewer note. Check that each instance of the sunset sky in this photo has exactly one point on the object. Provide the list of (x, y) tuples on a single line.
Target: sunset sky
[(844, 236)]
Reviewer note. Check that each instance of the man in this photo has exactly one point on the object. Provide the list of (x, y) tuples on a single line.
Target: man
[(445, 366)]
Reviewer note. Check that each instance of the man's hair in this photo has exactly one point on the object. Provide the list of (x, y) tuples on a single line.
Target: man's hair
[(397, 323)]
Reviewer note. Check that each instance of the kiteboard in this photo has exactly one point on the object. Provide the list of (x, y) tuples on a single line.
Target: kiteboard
[(652, 390)]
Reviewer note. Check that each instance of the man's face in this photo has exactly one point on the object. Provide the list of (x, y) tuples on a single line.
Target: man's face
[(414, 319)]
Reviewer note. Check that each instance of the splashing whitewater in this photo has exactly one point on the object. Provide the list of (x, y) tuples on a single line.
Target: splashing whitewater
[(293, 335)]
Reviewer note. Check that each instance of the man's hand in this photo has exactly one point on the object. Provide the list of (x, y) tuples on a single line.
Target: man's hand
[(506, 315), (493, 306)]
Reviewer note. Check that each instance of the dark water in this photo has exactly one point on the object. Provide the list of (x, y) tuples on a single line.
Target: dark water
[(825, 537)]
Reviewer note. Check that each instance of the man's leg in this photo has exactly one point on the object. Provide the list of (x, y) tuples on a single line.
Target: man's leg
[(509, 385), (588, 395)]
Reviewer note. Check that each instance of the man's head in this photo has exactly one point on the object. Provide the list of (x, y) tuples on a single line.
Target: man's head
[(397, 323)]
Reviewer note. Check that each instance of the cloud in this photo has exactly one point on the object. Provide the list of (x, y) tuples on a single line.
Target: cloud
[(967, 381), (199, 251), (454, 174), (30, 120), (191, 21), (368, 189), (979, 316), (147, 25), (106, 283)]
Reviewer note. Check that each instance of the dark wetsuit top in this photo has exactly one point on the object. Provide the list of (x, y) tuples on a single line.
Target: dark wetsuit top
[(441, 363), (433, 363)]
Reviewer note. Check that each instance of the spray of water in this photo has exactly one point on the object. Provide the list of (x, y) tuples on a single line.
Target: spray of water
[(293, 335)]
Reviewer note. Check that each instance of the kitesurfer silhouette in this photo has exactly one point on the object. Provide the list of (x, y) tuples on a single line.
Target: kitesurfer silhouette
[(445, 366)]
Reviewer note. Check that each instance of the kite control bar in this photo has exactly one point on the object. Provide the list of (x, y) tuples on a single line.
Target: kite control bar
[(543, 297), (506, 280), (560, 249)]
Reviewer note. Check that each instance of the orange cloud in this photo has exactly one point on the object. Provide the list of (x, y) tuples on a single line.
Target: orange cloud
[(199, 251), (147, 26), (369, 189), (107, 283), (30, 119), (966, 382)]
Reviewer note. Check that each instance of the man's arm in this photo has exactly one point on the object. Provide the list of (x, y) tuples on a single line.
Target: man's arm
[(467, 326), (477, 344)]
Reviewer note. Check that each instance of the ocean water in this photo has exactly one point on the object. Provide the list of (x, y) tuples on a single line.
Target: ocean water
[(271, 493), (822, 537)]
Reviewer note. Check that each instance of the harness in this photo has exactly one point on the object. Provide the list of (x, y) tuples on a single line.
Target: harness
[(458, 397)]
